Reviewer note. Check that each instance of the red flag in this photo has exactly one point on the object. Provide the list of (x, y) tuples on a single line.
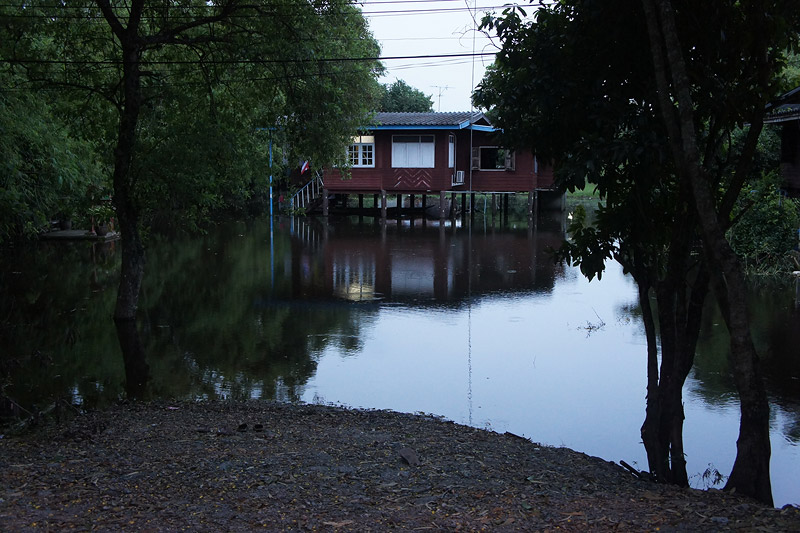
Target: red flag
[(303, 167)]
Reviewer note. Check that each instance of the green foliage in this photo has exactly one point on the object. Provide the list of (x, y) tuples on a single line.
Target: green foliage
[(587, 248), (401, 97), (213, 95), (101, 213), (575, 82), (766, 228), (45, 171), (791, 74)]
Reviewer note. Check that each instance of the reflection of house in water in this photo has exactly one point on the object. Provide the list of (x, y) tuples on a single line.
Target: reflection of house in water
[(436, 263)]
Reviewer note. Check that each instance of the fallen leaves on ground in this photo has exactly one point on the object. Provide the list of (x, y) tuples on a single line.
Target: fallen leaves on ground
[(258, 465)]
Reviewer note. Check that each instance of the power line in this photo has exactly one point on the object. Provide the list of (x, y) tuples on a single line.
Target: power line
[(240, 61), (214, 7), (161, 13), (428, 38), (92, 5)]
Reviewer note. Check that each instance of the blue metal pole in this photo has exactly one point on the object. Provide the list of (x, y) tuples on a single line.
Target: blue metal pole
[(271, 221), (270, 174)]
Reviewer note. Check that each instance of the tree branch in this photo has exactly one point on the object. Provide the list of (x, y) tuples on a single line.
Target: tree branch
[(171, 35)]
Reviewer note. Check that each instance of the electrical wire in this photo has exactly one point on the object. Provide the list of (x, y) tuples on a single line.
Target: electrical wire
[(146, 62)]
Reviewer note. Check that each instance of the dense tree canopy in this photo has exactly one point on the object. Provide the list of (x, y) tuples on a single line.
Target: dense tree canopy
[(45, 171), (597, 88), (216, 83), (401, 97)]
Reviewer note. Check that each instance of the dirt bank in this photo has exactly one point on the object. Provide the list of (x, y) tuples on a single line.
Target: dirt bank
[(220, 466)]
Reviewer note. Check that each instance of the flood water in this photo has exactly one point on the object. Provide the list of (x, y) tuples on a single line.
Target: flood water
[(471, 322)]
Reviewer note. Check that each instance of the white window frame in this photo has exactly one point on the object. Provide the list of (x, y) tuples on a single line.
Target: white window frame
[(361, 152), (451, 151), (414, 154)]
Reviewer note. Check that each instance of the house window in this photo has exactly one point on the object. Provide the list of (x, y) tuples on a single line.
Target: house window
[(493, 158), (361, 153), (790, 141), (412, 151), (451, 152)]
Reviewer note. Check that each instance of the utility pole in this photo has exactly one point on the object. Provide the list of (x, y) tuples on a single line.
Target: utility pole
[(442, 88)]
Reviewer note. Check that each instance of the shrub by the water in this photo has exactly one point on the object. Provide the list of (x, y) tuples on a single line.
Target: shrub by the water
[(765, 235)]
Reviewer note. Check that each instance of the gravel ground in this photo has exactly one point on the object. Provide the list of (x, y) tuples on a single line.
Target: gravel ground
[(286, 467)]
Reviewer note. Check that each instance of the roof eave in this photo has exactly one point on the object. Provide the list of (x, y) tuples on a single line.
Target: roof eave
[(407, 127), (413, 127)]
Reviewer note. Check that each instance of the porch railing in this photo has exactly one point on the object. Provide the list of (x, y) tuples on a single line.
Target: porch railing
[(307, 193)]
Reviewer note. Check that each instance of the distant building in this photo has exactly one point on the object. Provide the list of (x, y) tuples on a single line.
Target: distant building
[(436, 153), (786, 112)]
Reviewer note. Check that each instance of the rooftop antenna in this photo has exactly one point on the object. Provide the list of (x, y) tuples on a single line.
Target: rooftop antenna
[(442, 88)]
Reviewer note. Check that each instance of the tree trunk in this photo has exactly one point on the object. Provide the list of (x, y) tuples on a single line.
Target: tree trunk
[(750, 474), (132, 270), (137, 371), (657, 461), (662, 430)]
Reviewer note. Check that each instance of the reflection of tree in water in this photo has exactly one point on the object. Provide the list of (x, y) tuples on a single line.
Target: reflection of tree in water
[(55, 326), (775, 326), (215, 327)]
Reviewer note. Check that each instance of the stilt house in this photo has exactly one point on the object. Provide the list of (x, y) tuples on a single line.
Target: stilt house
[(436, 154)]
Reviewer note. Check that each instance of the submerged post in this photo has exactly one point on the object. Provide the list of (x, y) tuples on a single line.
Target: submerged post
[(530, 204), (797, 289), (471, 205)]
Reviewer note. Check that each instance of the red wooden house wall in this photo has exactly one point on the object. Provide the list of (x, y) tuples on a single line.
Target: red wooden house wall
[(527, 175)]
